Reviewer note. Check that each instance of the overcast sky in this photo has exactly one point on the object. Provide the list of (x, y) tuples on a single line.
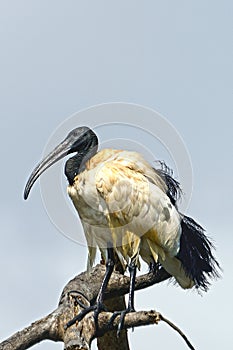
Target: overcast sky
[(59, 57)]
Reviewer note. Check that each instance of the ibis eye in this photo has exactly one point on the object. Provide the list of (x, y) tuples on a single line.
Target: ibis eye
[(79, 140)]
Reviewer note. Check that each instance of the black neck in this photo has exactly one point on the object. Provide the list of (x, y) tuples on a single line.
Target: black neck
[(76, 164)]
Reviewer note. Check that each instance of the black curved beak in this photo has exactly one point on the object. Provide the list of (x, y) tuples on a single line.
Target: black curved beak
[(78, 140), (58, 153)]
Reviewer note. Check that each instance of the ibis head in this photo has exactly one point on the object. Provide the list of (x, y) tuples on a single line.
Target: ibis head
[(82, 141)]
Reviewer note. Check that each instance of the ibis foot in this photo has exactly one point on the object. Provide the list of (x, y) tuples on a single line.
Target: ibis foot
[(99, 305), (122, 314), (97, 308)]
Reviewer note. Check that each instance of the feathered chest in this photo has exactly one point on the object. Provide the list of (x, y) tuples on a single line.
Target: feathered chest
[(117, 190), (87, 200), (109, 187)]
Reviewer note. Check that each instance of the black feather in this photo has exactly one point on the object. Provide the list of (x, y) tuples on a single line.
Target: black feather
[(196, 254), (196, 249), (174, 191)]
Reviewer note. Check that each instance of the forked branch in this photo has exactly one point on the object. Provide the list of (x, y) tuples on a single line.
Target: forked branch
[(79, 292)]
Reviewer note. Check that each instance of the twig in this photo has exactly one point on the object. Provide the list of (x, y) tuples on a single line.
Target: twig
[(172, 325)]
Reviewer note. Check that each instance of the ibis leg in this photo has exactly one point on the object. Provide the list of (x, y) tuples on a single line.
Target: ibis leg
[(99, 306), (109, 269), (130, 307), (100, 297), (132, 272)]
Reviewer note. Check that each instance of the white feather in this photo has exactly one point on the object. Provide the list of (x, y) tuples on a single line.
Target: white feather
[(122, 201)]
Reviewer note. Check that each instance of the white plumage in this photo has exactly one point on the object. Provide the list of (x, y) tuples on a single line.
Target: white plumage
[(122, 202)]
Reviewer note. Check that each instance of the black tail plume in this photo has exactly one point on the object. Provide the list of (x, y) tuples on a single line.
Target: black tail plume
[(174, 191), (196, 254)]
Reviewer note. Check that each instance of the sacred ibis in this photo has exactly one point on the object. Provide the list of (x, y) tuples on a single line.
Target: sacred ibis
[(129, 209)]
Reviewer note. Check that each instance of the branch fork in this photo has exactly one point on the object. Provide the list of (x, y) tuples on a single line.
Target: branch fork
[(78, 294)]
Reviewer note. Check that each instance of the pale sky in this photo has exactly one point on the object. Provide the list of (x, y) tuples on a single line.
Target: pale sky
[(61, 57)]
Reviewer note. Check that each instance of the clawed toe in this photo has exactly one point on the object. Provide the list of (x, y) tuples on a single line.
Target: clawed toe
[(122, 315), (79, 317), (97, 308)]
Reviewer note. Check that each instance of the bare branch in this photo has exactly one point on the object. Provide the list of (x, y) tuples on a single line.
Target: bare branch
[(110, 340), (118, 285), (79, 293), (132, 320), (45, 328)]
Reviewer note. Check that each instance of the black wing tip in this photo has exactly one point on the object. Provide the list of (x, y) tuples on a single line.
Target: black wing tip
[(196, 254), (196, 249)]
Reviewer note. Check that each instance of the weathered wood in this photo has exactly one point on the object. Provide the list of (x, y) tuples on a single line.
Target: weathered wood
[(89, 283), (83, 290), (46, 328), (110, 340)]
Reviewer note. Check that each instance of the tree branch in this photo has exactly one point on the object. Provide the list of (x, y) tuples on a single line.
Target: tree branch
[(118, 285), (45, 328), (81, 291), (110, 339)]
